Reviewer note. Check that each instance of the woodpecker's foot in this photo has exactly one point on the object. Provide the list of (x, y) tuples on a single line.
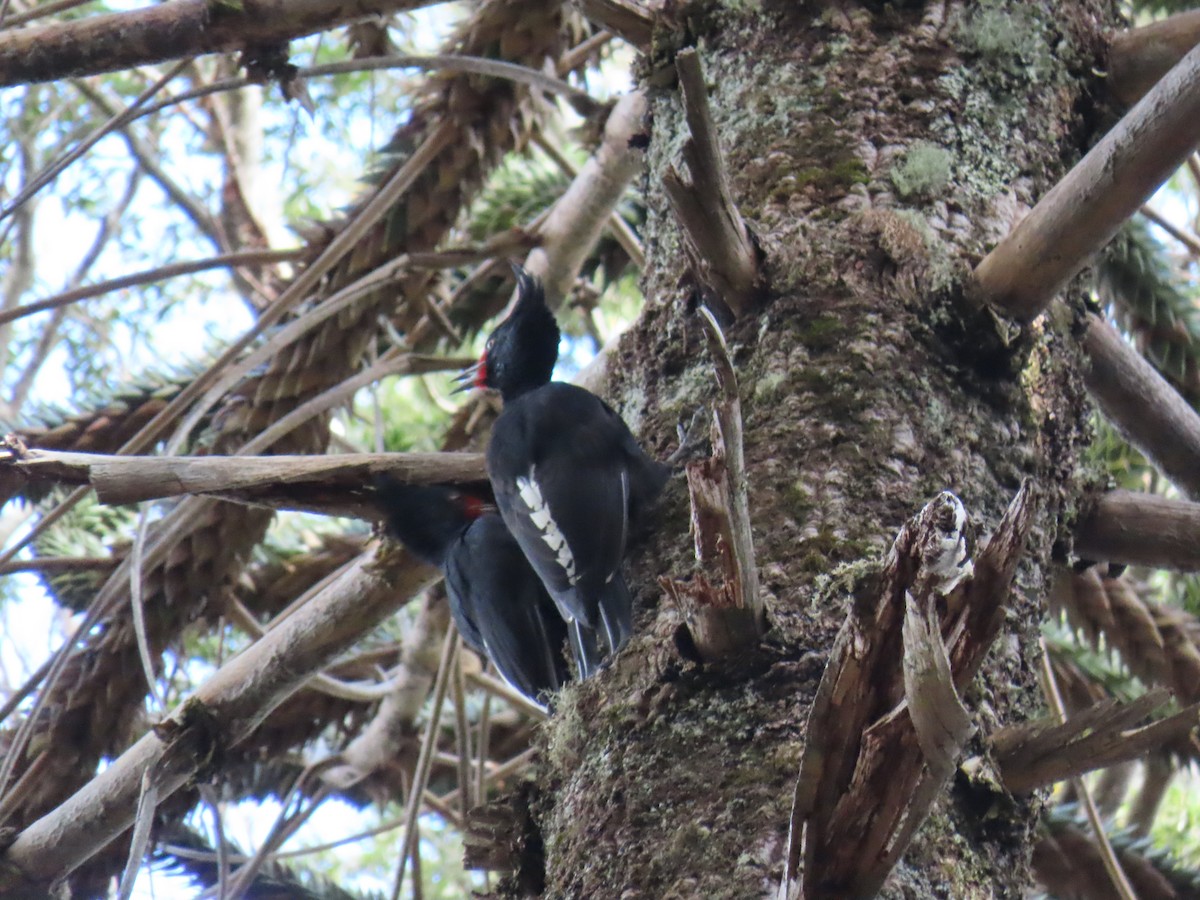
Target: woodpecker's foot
[(694, 440)]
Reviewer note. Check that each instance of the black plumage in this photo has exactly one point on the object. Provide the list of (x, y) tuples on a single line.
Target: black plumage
[(568, 475), (498, 602)]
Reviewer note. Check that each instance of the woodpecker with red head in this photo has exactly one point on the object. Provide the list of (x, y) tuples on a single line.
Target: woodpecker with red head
[(568, 475), (498, 603)]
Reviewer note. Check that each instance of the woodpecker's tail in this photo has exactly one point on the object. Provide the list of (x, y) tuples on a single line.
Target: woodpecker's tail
[(616, 614), (585, 648)]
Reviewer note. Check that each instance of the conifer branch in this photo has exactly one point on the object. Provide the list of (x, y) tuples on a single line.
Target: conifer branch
[(1083, 211)]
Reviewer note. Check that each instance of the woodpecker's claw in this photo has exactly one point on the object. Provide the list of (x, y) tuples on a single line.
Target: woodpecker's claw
[(694, 441)]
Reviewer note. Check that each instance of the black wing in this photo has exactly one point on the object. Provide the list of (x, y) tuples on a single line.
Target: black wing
[(517, 624)]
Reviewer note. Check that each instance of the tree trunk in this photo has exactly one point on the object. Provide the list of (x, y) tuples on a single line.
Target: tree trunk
[(877, 151)]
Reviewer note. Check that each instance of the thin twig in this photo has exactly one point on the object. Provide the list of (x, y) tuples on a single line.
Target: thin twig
[(1188, 240), (41, 11), (143, 820), (52, 171), (1111, 864), (476, 65), (150, 276), (450, 647)]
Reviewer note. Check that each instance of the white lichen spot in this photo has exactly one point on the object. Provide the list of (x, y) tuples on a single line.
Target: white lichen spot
[(948, 564), (539, 515)]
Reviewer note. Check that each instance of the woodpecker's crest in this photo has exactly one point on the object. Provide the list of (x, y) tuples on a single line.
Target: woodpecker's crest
[(539, 514), (521, 352)]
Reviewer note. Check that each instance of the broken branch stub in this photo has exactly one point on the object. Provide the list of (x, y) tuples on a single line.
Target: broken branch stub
[(725, 616), (887, 724), (1039, 753)]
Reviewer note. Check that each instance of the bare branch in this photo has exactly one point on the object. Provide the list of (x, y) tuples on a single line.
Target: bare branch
[(1034, 754), (180, 28), (581, 213), (222, 712), (1188, 240), (40, 11), (1140, 402), (1139, 57), (259, 479), (1083, 211), (1137, 529), (719, 245), (150, 276)]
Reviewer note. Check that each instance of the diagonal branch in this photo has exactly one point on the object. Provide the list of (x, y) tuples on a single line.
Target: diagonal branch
[(632, 20), (1039, 753), (1083, 211), (1144, 407), (221, 713), (1139, 57)]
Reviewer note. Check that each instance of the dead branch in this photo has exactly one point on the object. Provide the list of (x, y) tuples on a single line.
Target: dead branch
[(273, 481), (1137, 529), (719, 245), (581, 213), (727, 617), (877, 753), (1139, 57), (1039, 753), (1143, 406), (628, 19), (222, 712), (1084, 210), (173, 30)]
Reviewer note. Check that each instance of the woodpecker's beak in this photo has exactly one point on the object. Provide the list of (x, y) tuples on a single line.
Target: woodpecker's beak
[(468, 378)]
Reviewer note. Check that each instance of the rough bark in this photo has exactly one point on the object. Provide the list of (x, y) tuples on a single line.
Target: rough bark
[(876, 154)]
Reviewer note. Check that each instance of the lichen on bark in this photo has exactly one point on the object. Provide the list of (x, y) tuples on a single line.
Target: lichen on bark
[(868, 385)]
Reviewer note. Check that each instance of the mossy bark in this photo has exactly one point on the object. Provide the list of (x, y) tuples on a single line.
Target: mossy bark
[(877, 150)]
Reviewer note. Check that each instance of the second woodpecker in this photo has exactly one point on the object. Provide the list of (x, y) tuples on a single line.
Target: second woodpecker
[(499, 605), (568, 475)]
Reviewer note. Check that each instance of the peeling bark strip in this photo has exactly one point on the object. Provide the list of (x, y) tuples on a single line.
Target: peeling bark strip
[(1082, 212), (887, 725), (727, 617), (1034, 754), (172, 31)]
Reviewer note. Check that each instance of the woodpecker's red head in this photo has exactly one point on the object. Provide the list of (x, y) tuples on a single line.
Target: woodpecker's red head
[(520, 354)]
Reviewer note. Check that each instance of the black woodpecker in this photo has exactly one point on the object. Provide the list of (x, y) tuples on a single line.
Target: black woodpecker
[(568, 475), (497, 601)]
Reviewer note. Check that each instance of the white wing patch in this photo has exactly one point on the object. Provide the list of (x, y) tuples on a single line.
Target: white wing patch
[(539, 514)]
